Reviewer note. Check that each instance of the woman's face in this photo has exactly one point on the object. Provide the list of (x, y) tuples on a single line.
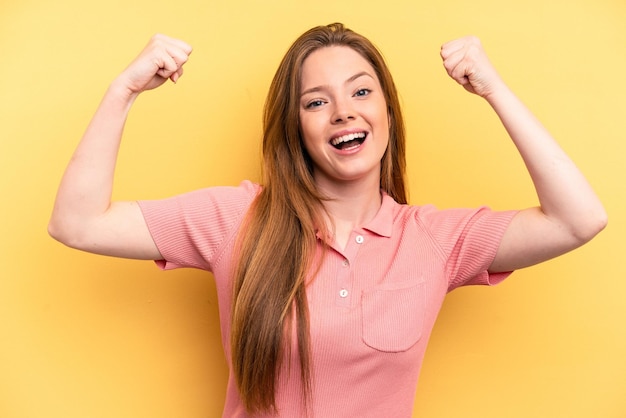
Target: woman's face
[(343, 116)]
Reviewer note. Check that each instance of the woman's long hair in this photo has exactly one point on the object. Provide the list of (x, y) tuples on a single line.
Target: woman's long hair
[(278, 240)]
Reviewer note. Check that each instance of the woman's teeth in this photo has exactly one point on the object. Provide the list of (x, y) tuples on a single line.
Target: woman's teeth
[(342, 141)]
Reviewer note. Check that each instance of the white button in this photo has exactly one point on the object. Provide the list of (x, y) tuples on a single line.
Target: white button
[(345, 263), (343, 293), (359, 239)]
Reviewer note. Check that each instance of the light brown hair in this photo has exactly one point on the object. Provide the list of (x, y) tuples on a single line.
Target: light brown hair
[(277, 242)]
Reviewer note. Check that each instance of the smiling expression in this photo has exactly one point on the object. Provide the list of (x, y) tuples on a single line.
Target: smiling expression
[(343, 116)]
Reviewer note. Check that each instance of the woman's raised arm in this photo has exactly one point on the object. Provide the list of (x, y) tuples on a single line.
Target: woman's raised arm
[(84, 216), (570, 213)]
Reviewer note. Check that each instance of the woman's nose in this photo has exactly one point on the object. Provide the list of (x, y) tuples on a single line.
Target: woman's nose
[(343, 112)]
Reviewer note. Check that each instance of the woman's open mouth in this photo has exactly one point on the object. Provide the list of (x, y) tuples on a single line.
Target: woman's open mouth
[(348, 141)]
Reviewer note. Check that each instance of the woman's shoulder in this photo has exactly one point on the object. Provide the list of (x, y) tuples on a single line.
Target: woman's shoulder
[(431, 216), (244, 191), (203, 203)]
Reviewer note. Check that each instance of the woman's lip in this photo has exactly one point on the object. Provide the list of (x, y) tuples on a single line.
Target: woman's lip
[(350, 149), (358, 136), (347, 132)]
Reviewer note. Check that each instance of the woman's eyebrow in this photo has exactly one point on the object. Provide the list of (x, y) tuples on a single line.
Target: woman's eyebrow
[(349, 80)]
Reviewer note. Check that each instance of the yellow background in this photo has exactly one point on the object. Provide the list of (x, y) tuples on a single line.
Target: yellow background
[(89, 336)]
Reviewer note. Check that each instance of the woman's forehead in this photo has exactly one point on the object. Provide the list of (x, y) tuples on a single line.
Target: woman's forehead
[(334, 65)]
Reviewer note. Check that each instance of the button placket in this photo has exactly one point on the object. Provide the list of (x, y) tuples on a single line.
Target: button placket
[(344, 283), (345, 280)]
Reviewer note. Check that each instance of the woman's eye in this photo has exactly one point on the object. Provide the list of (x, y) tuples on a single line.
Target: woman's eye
[(362, 92), (314, 103)]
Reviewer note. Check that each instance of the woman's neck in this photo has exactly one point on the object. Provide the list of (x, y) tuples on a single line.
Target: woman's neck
[(350, 206)]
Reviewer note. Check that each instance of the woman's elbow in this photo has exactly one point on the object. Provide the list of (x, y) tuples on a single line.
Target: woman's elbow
[(592, 226), (63, 233), (56, 231)]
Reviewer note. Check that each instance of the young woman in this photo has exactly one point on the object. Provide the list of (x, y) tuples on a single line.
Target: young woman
[(329, 283)]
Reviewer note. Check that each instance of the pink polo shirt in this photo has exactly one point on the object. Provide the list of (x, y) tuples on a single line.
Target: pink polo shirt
[(372, 305)]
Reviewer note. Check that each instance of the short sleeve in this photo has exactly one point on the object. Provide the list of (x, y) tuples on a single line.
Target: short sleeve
[(469, 240), (191, 229)]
